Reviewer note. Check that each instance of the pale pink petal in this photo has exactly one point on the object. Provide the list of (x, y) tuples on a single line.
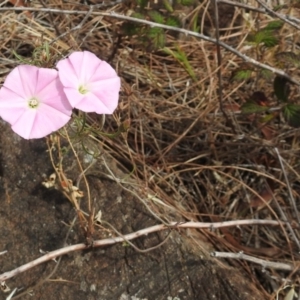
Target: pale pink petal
[(67, 74), (84, 65), (35, 124), (11, 105), (24, 83), (91, 103), (73, 96), (11, 115), (17, 80), (45, 77), (97, 76), (23, 126), (107, 92), (103, 71), (50, 90)]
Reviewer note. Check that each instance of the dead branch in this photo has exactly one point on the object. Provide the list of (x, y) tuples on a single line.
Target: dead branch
[(167, 27), (110, 241)]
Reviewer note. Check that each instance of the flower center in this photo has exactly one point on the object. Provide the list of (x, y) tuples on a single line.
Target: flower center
[(83, 89), (33, 103)]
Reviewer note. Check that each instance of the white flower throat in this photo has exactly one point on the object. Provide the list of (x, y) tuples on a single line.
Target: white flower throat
[(33, 103)]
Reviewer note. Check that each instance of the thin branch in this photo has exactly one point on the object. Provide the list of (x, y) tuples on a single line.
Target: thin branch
[(133, 245), (271, 12), (11, 294), (167, 27), (265, 10), (292, 199), (264, 263), (110, 241), (242, 5), (77, 27), (219, 61), (81, 170)]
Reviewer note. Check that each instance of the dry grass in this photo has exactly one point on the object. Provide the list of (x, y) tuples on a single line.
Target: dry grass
[(180, 147)]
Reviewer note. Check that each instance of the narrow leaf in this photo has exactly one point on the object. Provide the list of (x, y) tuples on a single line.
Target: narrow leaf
[(281, 88), (186, 2), (173, 21), (273, 25), (142, 3), (266, 37), (20, 58), (156, 17), (242, 74), (168, 6), (267, 118), (251, 107), (157, 36), (291, 113), (181, 57)]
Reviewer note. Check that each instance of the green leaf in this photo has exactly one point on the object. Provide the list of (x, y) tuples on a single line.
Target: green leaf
[(168, 6), (173, 21), (242, 75), (20, 58), (138, 16), (195, 26), (281, 88), (267, 118), (273, 25), (156, 17), (157, 36), (153, 32), (291, 113), (154, 38), (186, 2), (142, 3), (180, 56), (251, 107), (265, 37)]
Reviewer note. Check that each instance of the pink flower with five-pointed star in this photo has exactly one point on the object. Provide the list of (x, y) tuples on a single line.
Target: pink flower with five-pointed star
[(90, 84), (33, 102)]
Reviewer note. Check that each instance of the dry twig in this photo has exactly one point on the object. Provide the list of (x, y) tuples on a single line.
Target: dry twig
[(53, 254)]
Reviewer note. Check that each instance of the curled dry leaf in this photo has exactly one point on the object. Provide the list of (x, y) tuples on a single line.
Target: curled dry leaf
[(4, 287), (66, 186), (260, 202), (50, 182), (268, 132)]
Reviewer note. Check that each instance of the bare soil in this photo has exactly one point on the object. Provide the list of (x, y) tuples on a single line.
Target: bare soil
[(33, 218)]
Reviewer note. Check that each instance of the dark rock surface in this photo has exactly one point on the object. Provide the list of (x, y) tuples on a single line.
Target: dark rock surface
[(33, 218)]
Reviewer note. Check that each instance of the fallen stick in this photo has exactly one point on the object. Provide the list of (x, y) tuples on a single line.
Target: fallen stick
[(173, 225)]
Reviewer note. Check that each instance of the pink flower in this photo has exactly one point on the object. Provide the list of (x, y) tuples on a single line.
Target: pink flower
[(33, 102), (90, 84)]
